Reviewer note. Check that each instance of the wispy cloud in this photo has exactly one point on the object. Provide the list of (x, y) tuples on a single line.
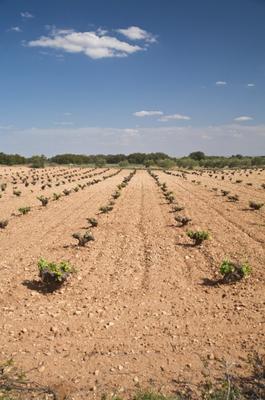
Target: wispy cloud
[(221, 83), (243, 118), (26, 15), (136, 33), (144, 113), (15, 29), (94, 44), (174, 117), (64, 123), (251, 85), (6, 127)]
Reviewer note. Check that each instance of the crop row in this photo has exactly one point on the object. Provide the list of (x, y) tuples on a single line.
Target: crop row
[(230, 271), (48, 182), (233, 198), (56, 196), (52, 274)]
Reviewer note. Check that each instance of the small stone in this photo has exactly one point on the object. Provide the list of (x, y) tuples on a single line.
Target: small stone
[(136, 379)]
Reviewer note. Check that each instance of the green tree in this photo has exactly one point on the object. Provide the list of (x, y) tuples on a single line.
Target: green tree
[(123, 164), (167, 163), (197, 155), (100, 162), (37, 161)]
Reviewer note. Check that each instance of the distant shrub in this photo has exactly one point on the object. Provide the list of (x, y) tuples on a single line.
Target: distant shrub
[(56, 196), (116, 195), (233, 272), (92, 221), (169, 196), (66, 192), (255, 206), (17, 193), (44, 200), (3, 223), (198, 236), (106, 209), (164, 187), (233, 198), (178, 208), (83, 239), (52, 273), (182, 220), (24, 210)]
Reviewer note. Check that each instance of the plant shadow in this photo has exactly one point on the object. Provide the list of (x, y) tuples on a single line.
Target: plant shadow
[(211, 282), (69, 246), (41, 287), (188, 245)]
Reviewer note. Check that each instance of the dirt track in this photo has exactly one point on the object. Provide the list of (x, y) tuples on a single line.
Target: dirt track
[(137, 311)]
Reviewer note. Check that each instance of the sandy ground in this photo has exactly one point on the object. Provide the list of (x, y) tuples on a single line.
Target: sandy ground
[(138, 312)]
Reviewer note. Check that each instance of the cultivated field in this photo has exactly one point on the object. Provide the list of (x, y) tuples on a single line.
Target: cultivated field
[(146, 307)]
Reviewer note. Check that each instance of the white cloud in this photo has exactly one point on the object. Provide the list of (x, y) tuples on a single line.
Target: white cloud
[(243, 118), (144, 113), (136, 33), (26, 14), (64, 123), (221, 83), (131, 131), (67, 114), (15, 29), (93, 44), (101, 31), (174, 117), (206, 137), (251, 84)]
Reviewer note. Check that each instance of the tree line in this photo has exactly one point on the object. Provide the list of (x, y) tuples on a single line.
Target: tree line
[(193, 160)]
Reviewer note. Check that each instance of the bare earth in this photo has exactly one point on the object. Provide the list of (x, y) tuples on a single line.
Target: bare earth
[(139, 311)]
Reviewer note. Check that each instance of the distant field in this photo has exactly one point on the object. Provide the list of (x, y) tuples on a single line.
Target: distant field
[(146, 307)]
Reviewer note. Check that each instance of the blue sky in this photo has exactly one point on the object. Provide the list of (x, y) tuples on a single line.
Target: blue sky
[(120, 76)]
